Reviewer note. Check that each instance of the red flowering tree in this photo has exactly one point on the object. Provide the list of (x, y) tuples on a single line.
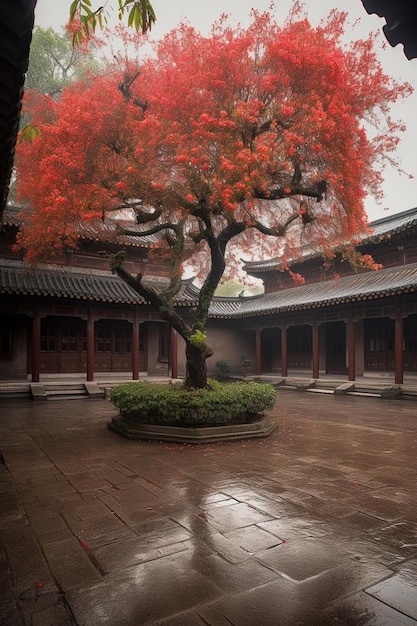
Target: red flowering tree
[(260, 136)]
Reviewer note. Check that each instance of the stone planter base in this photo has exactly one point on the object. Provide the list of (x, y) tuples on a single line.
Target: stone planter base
[(207, 434)]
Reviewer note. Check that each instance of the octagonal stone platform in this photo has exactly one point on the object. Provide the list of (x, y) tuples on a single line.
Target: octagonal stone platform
[(207, 434)]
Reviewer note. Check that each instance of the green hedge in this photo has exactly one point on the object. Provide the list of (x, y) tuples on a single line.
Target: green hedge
[(172, 405)]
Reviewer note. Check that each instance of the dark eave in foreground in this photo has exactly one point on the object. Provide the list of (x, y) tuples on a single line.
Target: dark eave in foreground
[(16, 24), (401, 22)]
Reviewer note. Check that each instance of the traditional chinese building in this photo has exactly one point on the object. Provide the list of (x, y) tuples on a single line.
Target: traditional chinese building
[(340, 321), (75, 317)]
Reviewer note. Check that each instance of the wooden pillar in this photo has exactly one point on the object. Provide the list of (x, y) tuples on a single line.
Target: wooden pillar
[(90, 344), (258, 351), (316, 354), (36, 344), (174, 354), (399, 348), (135, 346), (284, 352), (350, 330)]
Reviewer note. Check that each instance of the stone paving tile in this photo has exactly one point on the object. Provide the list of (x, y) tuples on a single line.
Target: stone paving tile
[(134, 494), (277, 602), (408, 570), (383, 509), (297, 527), (70, 563), (365, 550), (137, 517), (339, 510), (129, 599), (49, 525), (105, 471), (400, 536), (101, 531), (362, 522), (48, 486), (300, 560), (25, 559), (127, 552), (216, 541), (253, 539), (290, 530), (234, 516), (397, 592), (8, 606), (234, 578), (362, 609), (216, 501), (295, 497)]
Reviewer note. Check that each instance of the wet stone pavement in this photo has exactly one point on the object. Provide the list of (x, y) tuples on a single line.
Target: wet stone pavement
[(315, 525)]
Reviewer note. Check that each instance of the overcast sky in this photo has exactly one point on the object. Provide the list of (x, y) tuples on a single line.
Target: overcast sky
[(400, 192)]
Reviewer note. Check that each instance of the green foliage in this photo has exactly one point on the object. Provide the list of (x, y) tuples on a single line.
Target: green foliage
[(224, 403), (232, 288), (29, 132), (54, 63), (198, 339), (140, 15), (223, 366)]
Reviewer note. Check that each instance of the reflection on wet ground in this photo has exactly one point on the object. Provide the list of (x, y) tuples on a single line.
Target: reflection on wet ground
[(315, 525)]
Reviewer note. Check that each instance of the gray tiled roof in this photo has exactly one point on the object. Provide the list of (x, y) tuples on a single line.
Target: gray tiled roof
[(18, 278), (392, 224), (69, 283), (385, 282), (21, 279), (93, 230), (379, 229)]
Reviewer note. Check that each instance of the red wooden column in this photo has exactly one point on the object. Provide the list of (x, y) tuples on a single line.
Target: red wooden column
[(174, 354), (36, 344), (90, 344), (258, 352), (135, 346), (284, 351), (316, 354), (399, 348), (350, 329)]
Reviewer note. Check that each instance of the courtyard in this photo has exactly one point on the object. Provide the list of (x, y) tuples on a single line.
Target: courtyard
[(314, 525)]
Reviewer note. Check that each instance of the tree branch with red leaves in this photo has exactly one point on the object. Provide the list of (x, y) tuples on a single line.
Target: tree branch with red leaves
[(248, 136)]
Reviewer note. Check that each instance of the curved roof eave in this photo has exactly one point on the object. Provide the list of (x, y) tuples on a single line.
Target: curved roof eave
[(352, 288)]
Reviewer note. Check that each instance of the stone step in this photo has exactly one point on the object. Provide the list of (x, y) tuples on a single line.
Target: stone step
[(15, 390), (56, 388), (364, 394), (66, 392)]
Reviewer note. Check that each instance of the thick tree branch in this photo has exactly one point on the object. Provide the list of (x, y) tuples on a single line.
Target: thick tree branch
[(217, 247), (144, 217), (176, 242), (163, 305), (276, 231), (125, 89), (315, 191), (158, 228)]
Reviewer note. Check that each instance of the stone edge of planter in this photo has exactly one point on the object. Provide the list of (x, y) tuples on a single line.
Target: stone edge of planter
[(207, 434)]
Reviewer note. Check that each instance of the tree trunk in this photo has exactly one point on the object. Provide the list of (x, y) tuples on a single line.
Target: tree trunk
[(196, 376)]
